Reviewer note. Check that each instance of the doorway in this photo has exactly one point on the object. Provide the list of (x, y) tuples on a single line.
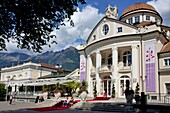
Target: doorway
[(122, 85), (106, 83)]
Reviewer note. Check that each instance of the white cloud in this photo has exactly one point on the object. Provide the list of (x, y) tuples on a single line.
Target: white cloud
[(162, 6), (84, 22)]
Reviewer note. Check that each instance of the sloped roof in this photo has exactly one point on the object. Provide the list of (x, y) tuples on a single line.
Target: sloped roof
[(166, 47), (49, 66), (138, 6)]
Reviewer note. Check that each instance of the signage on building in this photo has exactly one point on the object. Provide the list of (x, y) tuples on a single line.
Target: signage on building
[(150, 67), (82, 68)]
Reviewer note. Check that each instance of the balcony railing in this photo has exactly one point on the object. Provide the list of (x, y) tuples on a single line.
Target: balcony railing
[(105, 68), (122, 68), (93, 71)]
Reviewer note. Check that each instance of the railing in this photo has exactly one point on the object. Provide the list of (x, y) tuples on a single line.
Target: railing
[(159, 99), (105, 68), (122, 68), (93, 71)]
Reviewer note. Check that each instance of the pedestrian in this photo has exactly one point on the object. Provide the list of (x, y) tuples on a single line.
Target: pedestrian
[(10, 99)]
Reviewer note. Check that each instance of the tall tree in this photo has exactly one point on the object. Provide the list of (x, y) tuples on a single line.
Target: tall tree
[(2, 92), (28, 23)]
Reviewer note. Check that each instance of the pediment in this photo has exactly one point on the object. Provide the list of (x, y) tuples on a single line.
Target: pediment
[(109, 27)]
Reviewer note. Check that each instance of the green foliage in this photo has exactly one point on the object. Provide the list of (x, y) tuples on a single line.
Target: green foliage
[(45, 88), (137, 89), (84, 85), (73, 86), (94, 90), (113, 90), (2, 92), (28, 23)]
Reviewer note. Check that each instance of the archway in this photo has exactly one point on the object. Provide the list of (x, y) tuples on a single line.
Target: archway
[(122, 85)]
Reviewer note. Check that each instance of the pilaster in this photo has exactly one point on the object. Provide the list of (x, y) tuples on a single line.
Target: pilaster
[(135, 65)]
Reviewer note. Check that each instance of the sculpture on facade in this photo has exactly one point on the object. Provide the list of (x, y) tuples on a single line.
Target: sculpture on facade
[(111, 12)]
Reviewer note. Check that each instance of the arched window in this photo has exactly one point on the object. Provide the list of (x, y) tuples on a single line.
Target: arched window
[(110, 59), (127, 58)]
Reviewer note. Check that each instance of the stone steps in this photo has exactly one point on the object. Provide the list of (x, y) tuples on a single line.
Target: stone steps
[(107, 107)]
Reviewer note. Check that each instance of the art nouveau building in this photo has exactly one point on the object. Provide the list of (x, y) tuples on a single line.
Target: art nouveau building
[(127, 49)]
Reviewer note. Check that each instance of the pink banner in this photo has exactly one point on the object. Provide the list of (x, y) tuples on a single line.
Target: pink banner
[(150, 68), (82, 68)]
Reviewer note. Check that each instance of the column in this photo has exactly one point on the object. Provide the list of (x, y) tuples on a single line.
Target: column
[(88, 77), (98, 64), (135, 65), (115, 68)]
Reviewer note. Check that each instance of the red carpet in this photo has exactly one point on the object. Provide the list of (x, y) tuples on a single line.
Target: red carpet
[(99, 99), (57, 106)]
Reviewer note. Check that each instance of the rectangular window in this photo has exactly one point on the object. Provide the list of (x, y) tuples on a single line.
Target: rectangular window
[(147, 17), (166, 62), (119, 29), (130, 21), (137, 19)]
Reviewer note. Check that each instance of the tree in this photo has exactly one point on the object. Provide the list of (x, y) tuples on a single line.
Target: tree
[(2, 92), (94, 90), (137, 89), (73, 86), (28, 23), (113, 90)]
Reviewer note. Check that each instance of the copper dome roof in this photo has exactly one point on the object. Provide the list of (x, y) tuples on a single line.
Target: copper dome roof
[(166, 47), (138, 6)]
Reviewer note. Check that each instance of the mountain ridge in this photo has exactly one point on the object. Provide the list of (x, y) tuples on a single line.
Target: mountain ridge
[(69, 58)]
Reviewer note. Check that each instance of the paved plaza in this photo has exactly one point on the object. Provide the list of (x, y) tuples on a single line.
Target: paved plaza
[(20, 107)]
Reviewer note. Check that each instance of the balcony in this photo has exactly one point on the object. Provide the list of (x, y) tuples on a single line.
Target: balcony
[(124, 69), (93, 71), (106, 68)]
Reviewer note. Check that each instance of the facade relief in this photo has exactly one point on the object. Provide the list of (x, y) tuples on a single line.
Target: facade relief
[(111, 12)]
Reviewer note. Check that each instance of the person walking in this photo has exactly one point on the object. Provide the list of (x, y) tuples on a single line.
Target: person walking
[(10, 99)]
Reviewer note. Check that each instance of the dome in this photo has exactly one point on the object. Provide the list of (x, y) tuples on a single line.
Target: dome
[(138, 6), (166, 47)]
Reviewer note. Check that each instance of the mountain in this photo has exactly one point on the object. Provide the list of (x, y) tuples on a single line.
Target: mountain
[(68, 58)]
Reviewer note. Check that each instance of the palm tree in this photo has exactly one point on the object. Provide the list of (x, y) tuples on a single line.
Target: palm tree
[(73, 86)]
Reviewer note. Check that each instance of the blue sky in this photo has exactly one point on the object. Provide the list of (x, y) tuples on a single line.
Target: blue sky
[(87, 16), (121, 4)]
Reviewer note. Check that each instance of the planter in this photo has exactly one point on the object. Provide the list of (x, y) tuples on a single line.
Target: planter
[(58, 95), (129, 98), (83, 96), (129, 94), (74, 95), (137, 99)]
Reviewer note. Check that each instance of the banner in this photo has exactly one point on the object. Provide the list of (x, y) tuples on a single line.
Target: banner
[(150, 67), (82, 68)]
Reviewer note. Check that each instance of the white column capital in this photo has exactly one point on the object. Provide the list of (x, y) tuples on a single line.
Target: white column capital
[(134, 46), (97, 52), (114, 48), (88, 56)]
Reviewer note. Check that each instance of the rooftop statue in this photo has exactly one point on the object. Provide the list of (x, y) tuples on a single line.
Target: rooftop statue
[(111, 12)]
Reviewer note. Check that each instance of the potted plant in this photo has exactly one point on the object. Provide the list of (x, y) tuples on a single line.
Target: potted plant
[(129, 93), (94, 90), (83, 91), (137, 97), (113, 91), (58, 90)]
